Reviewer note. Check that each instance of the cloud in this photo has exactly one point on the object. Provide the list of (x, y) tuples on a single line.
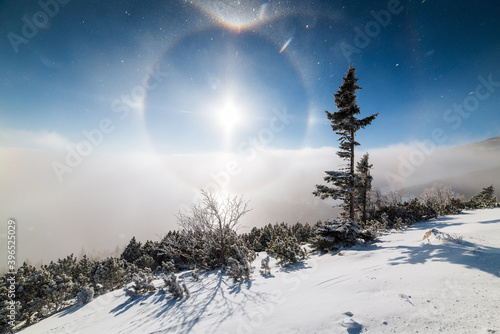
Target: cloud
[(32, 140), (409, 167), (109, 198)]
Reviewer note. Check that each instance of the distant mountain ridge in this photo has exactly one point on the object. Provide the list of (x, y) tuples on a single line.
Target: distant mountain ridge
[(467, 168), (491, 144)]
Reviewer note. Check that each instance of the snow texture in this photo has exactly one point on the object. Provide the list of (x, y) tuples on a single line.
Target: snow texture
[(402, 283)]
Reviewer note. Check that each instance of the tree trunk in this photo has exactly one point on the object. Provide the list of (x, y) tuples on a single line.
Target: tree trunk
[(365, 199), (351, 203)]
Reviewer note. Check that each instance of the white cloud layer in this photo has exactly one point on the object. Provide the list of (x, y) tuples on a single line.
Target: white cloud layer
[(33, 140), (106, 199)]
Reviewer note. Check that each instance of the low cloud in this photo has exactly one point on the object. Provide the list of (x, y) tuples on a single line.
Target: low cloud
[(109, 198), (41, 140)]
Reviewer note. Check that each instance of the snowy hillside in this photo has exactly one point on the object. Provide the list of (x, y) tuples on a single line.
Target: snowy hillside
[(449, 282)]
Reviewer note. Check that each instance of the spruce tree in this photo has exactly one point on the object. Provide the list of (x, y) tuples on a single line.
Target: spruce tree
[(345, 124), (364, 186), (132, 252), (485, 199)]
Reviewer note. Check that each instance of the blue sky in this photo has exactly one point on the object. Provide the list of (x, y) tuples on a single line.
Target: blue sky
[(413, 65), (114, 114)]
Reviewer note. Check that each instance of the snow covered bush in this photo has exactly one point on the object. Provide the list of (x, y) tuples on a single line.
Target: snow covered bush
[(86, 295), (336, 234), (211, 226), (439, 195), (371, 231), (265, 269), (287, 249), (238, 265), (443, 199), (238, 271), (168, 267), (281, 240), (132, 252), (177, 290), (145, 261), (110, 273), (398, 224), (142, 284), (484, 199), (409, 213)]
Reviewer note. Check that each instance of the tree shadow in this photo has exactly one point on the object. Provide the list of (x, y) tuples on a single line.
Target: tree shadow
[(266, 276), (70, 309), (214, 295), (467, 254), (460, 252), (439, 222), (490, 221), (139, 299), (294, 267)]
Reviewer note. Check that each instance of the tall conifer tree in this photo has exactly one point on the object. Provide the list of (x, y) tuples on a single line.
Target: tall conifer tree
[(345, 124), (364, 186)]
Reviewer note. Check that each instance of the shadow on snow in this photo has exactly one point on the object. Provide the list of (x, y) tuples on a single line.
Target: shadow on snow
[(210, 297), (461, 252)]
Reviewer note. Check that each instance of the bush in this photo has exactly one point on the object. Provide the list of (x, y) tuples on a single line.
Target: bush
[(142, 284), (177, 290), (264, 266), (287, 249), (238, 265), (86, 295), (168, 267), (409, 212), (484, 199), (145, 261), (336, 234), (259, 239), (212, 226)]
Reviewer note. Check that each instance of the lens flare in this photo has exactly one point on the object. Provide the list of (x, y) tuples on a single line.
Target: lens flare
[(286, 44)]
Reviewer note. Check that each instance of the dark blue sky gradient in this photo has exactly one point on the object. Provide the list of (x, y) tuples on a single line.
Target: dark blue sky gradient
[(428, 57)]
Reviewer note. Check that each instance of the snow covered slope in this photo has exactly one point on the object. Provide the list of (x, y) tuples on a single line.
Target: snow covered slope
[(449, 282)]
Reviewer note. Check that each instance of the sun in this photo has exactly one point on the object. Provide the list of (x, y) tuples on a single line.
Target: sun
[(229, 115)]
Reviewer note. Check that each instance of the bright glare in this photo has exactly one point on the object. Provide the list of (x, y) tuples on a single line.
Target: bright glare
[(229, 115)]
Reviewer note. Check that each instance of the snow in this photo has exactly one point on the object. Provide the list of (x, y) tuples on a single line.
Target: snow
[(446, 283)]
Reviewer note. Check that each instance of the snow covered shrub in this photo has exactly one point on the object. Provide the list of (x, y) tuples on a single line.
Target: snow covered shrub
[(86, 295), (238, 271), (384, 221), (132, 252), (259, 239), (484, 199), (336, 234), (441, 198), (213, 224), (453, 238), (398, 224), (110, 273), (265, 270), (142, 284), (374, 226), (145, 261), (99, 288), (371, 231), (168, 267), (409, 213), (444, 237), (287, 249), (177, 290), (238, 265)]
